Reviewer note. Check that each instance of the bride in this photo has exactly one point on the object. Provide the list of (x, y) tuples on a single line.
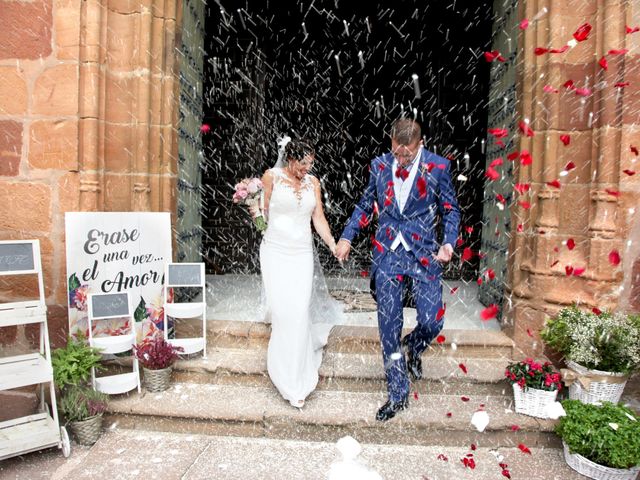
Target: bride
[(299, 326)]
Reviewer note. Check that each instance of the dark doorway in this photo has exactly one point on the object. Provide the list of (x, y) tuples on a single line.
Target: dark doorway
[(339, 73)]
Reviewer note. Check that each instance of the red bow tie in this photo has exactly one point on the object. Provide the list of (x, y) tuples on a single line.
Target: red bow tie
[(402, 173)]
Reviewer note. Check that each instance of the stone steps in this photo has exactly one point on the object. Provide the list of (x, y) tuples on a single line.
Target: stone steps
[(230, 393), (351, 339), (259, 411)]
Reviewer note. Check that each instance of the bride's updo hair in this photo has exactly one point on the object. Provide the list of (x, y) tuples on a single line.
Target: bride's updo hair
[(298, 149)]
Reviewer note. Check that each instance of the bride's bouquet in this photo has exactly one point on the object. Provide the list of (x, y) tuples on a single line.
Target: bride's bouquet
[(249, 192)]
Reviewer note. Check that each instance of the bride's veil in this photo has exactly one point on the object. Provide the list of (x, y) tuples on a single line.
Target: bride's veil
[(324, 310)]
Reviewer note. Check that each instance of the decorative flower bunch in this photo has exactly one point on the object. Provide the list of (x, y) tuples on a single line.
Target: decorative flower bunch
[(530, 374), (156, 353), (249, 192), (598, 341)]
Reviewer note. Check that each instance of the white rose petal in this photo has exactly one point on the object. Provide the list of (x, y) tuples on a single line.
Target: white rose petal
[(614, 426), (480, 420), (554, 410)]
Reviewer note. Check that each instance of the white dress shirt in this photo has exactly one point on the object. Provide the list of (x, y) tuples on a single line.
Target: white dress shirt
[(402, 190)]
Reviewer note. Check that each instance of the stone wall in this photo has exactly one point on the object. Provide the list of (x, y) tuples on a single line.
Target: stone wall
[(596, 204), (87, 121)]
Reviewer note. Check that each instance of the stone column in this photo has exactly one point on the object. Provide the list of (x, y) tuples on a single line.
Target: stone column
[(588, 210)]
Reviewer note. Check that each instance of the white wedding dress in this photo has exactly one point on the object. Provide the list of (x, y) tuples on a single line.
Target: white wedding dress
[(287, 264)]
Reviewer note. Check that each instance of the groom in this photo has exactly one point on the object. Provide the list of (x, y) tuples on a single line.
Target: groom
[(410, 186)]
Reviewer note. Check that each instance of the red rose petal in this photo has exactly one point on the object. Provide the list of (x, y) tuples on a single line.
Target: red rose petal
[(205, 128), (568, 270), (614, 257), (515, 428), (584, 92), (467, 254), (524, 449), (614, 193), (578, 271), (473, 446), (621, 84), (464, 399), (442, 457), (596, 310), (566, 139), (540, 51), (619, 51), (463, 367), (492, 174), (603, 63), (525, 129), (523, 24), (571, 244), (522, 188), (582, 33), (490, 312), (525, 157), (498, 161), (554, 183), (634, 150), (415, 395), (441, 312), (529, 332), (449, 414), (569, 84), (364, 273), (550, 89), (569, 166), (421, 183), (629, 172), (524, 204), (440, 339), (454, 290), (630, 30)]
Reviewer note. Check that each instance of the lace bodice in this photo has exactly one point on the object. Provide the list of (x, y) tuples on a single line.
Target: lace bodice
[(290, 211)]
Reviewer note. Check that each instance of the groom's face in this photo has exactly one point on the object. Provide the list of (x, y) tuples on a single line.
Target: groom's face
[(405, 153)]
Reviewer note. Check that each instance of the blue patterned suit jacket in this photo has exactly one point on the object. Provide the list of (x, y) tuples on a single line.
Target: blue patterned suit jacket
[(432, 191)]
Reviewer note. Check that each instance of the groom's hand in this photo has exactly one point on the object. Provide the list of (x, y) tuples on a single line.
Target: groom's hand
[(445, 253), (342, 250)]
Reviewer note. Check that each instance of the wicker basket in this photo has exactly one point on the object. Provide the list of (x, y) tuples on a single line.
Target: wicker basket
[(87, 432), (593, 470), (598, 391), (533, 401), (157, 380)]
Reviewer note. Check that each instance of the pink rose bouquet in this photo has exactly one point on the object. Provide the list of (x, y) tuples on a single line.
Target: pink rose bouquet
[(249, 192)]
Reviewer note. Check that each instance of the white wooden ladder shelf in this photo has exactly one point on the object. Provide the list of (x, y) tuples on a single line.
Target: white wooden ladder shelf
[(181, 275), (42, 429), (107, 306)]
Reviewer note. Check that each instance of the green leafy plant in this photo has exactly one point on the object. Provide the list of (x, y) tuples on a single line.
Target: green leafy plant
[(598, 341), (72, 364), (80, 403), (608, 435), (530, 374)]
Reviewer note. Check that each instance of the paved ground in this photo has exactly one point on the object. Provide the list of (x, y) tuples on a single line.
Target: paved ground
[(128, 454)]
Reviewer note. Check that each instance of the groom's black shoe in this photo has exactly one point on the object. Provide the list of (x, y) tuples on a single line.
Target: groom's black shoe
[(389, 409), (414, 362)]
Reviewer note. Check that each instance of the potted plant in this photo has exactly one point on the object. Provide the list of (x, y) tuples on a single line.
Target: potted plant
[(72, 365), (535, 386), (601, 441), (157, 357), (601, 351), (83, 408)]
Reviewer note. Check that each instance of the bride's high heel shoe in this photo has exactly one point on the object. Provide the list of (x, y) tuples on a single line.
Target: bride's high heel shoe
[(299, 404)]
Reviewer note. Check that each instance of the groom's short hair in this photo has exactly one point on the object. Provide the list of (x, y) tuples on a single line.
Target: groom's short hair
[(406, 131)]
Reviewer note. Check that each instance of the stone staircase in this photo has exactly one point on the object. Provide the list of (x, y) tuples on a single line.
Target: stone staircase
[(229, 393)]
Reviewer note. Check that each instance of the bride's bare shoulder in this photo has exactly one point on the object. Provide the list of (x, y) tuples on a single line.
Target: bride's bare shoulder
[(268, 175)]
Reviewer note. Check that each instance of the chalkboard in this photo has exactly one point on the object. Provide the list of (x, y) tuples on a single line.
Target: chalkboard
[(16, 257), (185, 274), (109, 305)]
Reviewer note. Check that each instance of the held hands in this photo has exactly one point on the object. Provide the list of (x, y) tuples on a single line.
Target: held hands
[(342, 250), (445, 253)]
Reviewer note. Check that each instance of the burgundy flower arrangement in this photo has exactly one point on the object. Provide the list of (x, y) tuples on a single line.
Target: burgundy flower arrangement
[(156, 353), (530, 374)]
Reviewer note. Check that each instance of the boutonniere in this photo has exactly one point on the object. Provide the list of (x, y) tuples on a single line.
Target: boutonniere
[(427, 167)]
